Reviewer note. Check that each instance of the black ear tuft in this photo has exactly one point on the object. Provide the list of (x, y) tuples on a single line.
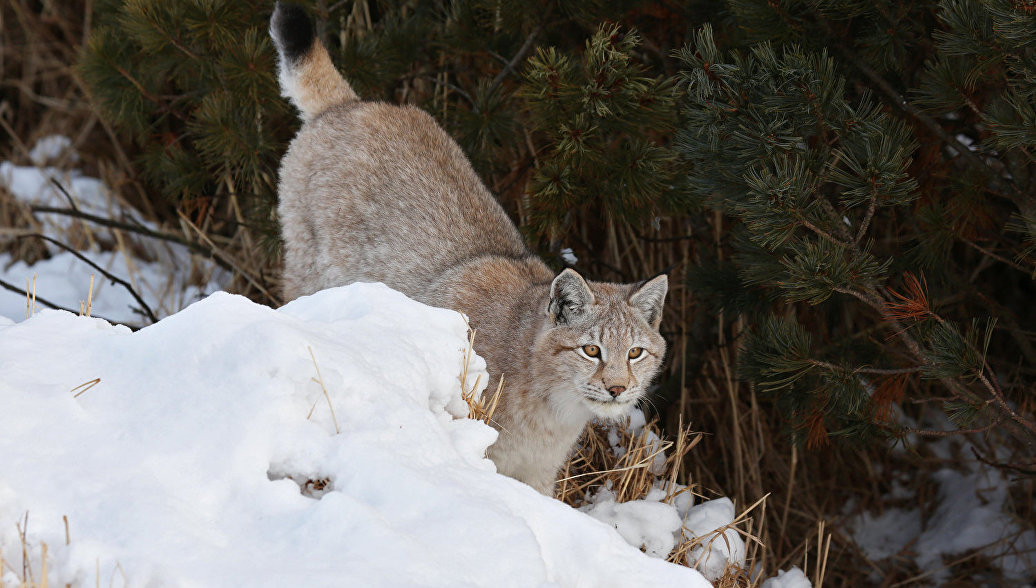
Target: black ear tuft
[(292, 30), (570, 296)]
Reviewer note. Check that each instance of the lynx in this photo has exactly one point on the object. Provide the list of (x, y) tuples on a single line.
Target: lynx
[(376, 192)]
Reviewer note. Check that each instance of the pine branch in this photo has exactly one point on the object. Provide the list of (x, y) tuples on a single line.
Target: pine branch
[(520, 55), (928, 122), (872, 299)]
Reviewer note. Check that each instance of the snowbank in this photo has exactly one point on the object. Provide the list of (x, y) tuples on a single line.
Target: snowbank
[(182, 465)]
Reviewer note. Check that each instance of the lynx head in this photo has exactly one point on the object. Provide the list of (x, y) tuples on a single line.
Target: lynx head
[(603, 345)]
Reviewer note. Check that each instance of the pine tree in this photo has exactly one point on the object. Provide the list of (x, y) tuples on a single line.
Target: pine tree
[(194, 86), (872, 163), (598, 116), (869, 207)]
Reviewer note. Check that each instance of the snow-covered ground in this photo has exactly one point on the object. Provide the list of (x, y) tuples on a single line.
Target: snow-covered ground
[(183, 464), (970, 517), (163, 274), (322, 443), (325, 443)]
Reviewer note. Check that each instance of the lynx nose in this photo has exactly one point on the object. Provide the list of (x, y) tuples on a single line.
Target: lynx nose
[(616, 390)]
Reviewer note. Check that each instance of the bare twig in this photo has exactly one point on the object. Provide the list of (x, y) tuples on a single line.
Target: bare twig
[(522, 51), (865, 224), (114, 279), (867, 370), (129, 227), (995, 256), (11, 287)]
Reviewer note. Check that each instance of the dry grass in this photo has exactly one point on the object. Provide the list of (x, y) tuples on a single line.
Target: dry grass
[(742, 450), (480, 406), (40, 95), (33, 571), (647, 463)]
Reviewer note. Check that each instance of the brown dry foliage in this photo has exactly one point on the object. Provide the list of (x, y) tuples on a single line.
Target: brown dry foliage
[(742, 452)]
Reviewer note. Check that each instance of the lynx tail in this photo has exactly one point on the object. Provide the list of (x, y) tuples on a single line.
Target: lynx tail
[(307, 75)]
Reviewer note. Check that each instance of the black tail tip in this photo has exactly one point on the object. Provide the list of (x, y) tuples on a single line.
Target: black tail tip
[(292, 30)]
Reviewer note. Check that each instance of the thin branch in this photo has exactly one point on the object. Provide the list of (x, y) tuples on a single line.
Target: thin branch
[(821, 232), (209, 251), (934, 433), (114, 279), (1000, 401), (1004, 260), (865, 298), (866, 220), (132, 228), (1028, 469), (522, 51), (138, 229), (65, 193), (867, 370), (8, 286)]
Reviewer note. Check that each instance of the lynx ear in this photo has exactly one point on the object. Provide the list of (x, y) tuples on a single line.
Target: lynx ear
[(648, 299), (570, 297)]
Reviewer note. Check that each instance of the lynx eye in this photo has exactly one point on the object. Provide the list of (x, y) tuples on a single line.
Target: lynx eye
[(592, 350), (635, 352)]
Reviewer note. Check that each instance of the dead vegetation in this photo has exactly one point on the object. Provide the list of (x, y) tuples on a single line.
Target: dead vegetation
[(793, 503), (41, 94)]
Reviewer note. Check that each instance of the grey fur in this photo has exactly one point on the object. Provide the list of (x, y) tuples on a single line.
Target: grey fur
[(375, 192)]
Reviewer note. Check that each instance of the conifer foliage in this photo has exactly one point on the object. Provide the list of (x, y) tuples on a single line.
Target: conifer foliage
[(194, 84), (773, 140), (851, 181), (877, 203), (597, 115)]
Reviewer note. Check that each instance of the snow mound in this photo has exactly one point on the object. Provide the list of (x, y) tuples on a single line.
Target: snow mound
[(184, 463), (648, 524), (793, 578), (720, 543), (667, 515)]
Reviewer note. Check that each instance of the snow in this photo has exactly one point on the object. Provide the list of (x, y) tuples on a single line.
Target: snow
[(709, 521), (64, 279), (970, 511), (167, 279), (668, 514), (793, 578), (650, 525), (181, 463), (52, 147)]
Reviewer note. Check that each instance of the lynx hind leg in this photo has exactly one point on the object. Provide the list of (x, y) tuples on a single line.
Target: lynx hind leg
[(301, 266)]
